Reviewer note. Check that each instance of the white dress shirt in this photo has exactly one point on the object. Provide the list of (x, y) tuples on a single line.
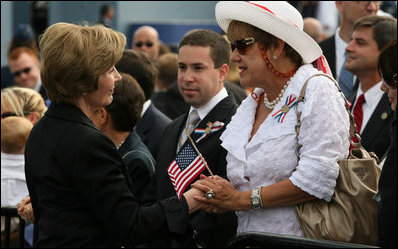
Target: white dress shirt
[(205, 109), (372, 98)]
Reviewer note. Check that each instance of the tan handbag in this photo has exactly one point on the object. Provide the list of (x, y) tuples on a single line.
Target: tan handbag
[(351, 215)]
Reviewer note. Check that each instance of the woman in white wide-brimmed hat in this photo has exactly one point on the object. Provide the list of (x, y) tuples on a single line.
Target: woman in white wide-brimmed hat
[(266, 177)]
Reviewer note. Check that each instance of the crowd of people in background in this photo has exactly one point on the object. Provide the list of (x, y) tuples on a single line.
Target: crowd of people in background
[(91, 126)]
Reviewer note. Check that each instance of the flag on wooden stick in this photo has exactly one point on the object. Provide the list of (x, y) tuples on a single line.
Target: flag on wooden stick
[(187, 165)]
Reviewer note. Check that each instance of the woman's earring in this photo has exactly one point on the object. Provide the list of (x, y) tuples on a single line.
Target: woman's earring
[(274, 57)]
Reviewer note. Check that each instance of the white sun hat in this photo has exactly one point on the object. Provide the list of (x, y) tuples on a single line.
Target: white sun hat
[(278, 18)]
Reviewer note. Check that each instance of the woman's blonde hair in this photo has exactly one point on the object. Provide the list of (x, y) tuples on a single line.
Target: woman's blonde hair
[(74, 56), (21, 100)]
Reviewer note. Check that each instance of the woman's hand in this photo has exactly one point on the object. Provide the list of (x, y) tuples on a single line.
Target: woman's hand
[(25, 209), (226, 196), (193, 204)]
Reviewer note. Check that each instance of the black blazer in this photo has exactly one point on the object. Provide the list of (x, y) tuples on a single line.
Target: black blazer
[(211, 229), (387, 209), (328, 47), (376, 134), (329, 51), (139, 161), (151, 127), (80, 189)]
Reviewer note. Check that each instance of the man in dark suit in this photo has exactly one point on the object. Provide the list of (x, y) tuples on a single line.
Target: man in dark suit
[(334, 46), (175, 104), (373, 117), (153, 121), (203, 60)]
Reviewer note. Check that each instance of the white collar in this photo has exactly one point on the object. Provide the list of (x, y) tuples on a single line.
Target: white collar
[(145, 107), (372, 95), (37, 86), (205, 109)]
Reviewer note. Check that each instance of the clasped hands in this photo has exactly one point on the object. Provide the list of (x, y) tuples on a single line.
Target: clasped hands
[(25, 209), (225, 195)]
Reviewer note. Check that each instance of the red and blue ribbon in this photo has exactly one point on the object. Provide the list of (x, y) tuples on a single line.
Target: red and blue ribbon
[(290, 101), (213, 128)]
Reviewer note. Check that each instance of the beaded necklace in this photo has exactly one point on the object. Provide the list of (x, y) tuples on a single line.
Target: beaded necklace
[(120, 144), (271, 105), (267, 103)]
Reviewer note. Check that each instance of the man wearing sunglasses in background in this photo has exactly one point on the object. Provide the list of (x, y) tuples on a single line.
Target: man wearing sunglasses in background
[(146, 39), (25, 68)]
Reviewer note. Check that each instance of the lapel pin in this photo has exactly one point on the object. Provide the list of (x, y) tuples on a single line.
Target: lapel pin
[(384, 115)]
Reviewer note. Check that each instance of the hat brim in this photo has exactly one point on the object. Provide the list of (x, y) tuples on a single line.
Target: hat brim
[(226, 11)]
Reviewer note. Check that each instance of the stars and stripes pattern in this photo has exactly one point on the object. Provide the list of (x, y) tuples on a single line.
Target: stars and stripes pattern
[(185, 167)]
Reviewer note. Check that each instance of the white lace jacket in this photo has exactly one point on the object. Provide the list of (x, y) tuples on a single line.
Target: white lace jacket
[(270, 155)]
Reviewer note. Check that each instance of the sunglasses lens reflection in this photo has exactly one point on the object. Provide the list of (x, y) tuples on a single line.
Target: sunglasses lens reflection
[(18, 73)]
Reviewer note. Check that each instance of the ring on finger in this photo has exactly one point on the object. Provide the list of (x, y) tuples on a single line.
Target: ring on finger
[(210, 194)]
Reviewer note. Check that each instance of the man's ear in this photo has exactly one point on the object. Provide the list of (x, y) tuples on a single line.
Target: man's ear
[(223, 69)]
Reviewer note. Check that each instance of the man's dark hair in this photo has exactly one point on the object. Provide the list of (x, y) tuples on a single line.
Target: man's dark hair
[(138, 65), (126, 107), (384, 28), (219, 48)]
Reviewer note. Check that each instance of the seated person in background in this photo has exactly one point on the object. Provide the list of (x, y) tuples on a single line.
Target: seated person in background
[(117, 121), (23, 102), (14, 134), (29, 104), (167, 66), (25, 67)]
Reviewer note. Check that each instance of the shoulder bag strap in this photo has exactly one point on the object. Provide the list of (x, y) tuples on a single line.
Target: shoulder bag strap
[(353, 128)]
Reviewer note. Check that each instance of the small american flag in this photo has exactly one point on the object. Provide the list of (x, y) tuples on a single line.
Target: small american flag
[(186, 167)]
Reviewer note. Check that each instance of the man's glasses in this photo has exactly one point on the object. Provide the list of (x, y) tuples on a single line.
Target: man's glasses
[(241, 45), (140, 44), (13, 114), (18, 73), (390, 85)]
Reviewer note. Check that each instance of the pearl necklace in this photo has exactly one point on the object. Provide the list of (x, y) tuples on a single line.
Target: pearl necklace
[(120, 144), (271, 105)]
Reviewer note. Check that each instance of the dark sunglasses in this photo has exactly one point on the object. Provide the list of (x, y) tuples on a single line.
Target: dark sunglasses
[(12, 114), (140, 44), (18, 73), (241, 45)]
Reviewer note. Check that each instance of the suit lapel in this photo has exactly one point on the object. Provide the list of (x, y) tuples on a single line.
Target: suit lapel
[(144, 126), (219, 113), (378, 120)]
